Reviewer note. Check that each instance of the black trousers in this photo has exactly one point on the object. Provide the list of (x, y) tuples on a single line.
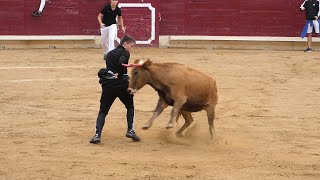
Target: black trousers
[(108, 95)]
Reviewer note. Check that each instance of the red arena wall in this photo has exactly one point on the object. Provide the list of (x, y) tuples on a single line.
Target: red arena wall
[(231, 18), (172, 17)]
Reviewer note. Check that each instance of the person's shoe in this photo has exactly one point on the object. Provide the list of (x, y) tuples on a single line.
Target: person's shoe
[(131, 134), (36, 13), (95, 139), (308, 50)]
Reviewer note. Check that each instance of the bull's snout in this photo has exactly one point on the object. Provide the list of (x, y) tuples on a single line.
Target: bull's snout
[(131, 91)]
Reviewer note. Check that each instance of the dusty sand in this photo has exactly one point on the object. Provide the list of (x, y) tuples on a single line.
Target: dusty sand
[(267, 124)]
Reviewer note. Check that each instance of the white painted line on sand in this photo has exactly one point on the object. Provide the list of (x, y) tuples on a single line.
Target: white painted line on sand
[(45, 67), (47, 79)]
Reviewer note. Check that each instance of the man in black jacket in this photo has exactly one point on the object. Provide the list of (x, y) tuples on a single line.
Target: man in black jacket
[(114, 81), (311, 8)]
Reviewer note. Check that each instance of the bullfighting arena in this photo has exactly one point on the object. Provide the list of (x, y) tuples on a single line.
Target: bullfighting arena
[(267, 124)]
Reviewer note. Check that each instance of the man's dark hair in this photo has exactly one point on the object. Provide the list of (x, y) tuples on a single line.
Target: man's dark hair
[(128, 39)]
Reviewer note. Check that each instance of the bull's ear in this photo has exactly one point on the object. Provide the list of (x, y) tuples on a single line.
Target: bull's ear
[(147, 63)]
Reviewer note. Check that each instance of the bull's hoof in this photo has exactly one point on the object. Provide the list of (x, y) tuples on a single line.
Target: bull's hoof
[(179, 135), (145, 127), (169, 126)]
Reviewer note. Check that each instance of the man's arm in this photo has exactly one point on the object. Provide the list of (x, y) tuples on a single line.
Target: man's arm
[(120, 20), (100, 20), (124, 59), (302, 5)]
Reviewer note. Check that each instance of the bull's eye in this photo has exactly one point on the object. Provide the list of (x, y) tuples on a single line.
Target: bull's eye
[(135, 73)]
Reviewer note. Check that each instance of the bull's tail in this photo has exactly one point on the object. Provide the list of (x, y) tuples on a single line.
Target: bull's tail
[(211, 116), (212, 108), (211, 128)]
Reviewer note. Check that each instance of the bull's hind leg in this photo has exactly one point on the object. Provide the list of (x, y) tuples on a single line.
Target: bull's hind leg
[(188, 120), (160, 107), (211, 115)]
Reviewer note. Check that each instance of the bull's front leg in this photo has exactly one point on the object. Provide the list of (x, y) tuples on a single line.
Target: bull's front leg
[(159, 108), (175, 111)]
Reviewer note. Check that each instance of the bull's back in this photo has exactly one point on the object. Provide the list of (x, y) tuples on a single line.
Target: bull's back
[(196, 86), (194, 82)]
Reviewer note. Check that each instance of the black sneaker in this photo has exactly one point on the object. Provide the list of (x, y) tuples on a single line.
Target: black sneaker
[(131, 134), (308, 50), (36, 13), (95, 139)]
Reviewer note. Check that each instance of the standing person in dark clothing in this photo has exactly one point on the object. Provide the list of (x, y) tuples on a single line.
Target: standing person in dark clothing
[(311, 8), (114, 81), (108, 25)]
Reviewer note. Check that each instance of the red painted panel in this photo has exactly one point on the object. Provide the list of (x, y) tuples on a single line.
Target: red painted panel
[(11, 16), (138, 21), (88, 13), (139, 25), (173, 17), (63, 17), (232, 17)]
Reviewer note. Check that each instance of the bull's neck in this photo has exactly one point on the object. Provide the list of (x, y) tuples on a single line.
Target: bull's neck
[(156, 82)]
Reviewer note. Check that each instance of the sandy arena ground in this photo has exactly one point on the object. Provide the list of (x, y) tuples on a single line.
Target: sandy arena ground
[(267, 124)]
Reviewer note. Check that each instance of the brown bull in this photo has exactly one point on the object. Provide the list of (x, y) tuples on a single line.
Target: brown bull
[(184, 88)]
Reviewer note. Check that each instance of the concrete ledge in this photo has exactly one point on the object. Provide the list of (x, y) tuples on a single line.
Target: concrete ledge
[(45, 38), (18, 42), (237, 42), (239, 38), (207, 42)]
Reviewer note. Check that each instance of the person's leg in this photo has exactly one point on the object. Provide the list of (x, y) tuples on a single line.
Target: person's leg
[(42, 4), (104, 39), (127, 100), (112, 36), (309, 37), (39, 12), (310, 40), (106, 100)]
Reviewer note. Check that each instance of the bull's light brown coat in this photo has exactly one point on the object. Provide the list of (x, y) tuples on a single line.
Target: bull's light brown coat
[(182, 87)]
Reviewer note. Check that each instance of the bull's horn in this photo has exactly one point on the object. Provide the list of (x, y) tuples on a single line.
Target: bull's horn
[(131, 65), (136, 65)]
